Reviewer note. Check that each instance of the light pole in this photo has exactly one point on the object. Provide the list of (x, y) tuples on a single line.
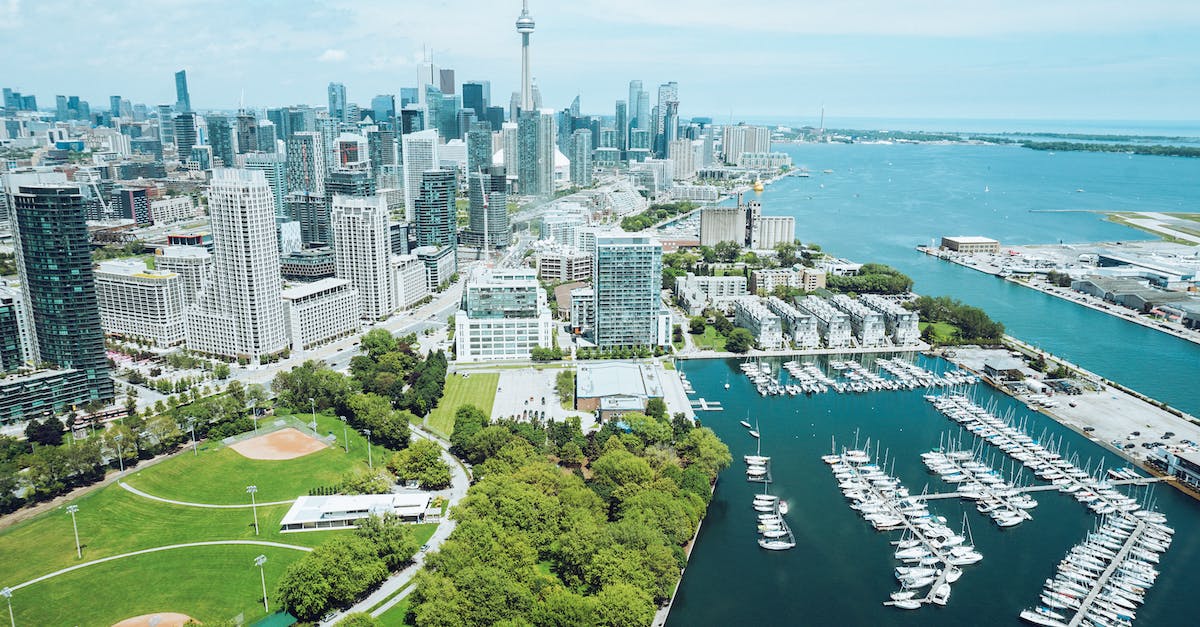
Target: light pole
[(120, 458), (313, 425), (256, 416), (251, 490), (192, 427), (71, 509), (369, 461), (345, 433), (7, 594), (259, 561), (313, 406)]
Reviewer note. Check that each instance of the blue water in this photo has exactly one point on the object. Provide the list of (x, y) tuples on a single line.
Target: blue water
[(883, 200), (841, 569), (877, 205)]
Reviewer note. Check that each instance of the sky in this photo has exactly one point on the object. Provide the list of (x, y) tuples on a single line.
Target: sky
[(753, 59)]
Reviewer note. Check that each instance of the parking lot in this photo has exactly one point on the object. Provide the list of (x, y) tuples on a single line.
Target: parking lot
[(522, 392)]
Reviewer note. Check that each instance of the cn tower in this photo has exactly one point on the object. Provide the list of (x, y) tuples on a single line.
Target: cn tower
[(525, 27)]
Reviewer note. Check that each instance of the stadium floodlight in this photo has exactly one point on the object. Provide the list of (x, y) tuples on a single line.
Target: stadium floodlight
[(252, 490)]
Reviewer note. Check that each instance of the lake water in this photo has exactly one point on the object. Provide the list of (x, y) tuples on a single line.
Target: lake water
[(879, 202)]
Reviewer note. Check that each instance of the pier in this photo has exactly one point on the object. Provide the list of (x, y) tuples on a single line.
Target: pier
[(1044, 488), (706, 405), (1077, 620), (1001, 492)]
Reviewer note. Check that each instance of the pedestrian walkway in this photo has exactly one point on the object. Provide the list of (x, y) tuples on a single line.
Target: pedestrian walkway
[(278, 545), (208, 505)]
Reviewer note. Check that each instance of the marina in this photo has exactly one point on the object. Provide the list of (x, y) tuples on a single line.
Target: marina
[(849, 376)]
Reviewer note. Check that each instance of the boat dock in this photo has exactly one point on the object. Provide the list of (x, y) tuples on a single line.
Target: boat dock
[(1000, 500), (701, 404), (1112, 567), (1045, 488)]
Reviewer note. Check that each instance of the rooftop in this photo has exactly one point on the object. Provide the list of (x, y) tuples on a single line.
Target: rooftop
[(970, 239), (308, 289), (617, 379), (343, 507)]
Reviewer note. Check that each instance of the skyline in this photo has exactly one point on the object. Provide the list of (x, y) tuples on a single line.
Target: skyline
[(1073, 60)]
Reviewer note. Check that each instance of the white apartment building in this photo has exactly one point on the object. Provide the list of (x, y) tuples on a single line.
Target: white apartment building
[(504, 315), (564, 264), (697, 293), (583, 310), (174, 209), (240, 313), (833, 325), (409, 280), (695, 193), (766, 280), (136, 302), (903, 325), (440, 265), (319, 312), (741, 139), (681, 153), (866, 323), (750, 313), (420, 152), (193, 264), (764, 160), (801, 327), (363, 251)]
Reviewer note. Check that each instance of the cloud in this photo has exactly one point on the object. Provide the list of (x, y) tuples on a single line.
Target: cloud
[(332, 55), (10, 14)]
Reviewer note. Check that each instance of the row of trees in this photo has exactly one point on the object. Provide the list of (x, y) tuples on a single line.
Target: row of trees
[(613, 543), (655, 214), (1136, 149), (872, 278), (972, 323)]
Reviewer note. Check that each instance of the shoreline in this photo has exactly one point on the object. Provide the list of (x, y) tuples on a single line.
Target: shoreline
[(800, 352), (1069, 297)]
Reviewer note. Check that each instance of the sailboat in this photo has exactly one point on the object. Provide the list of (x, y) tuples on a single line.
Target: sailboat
[(757, 459)]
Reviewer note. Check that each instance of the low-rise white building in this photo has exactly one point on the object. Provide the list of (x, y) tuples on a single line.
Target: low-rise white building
[(564, 264), (174, 209), (764, 160), (695, 193), (504, 315), (410, 280), (903, 325), (322, 311), (315, 513), (440, 264), (697, 293), (801, 327), (867, 324), (750, 313), (838, 267), (833, 325), (136, 302)]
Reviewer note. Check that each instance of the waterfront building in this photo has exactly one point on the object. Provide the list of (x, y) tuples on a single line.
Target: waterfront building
[(173, 209), (697, 293), (627, 280), (764, 161), (970, 244), (420, 153), (410, 281), (306, 164), (751, 314), (193, 264), (34, 395), (583, 310), (581, 158), (833, 325), (742, 139), (766, 232), (837, 266), (503, 315), (440, 265), (597, 381), (902, 325), (722, 224), (363, 252), (240, 313), (765, 281), (564, 263), (800, 327), (868, 325), (308, 264), (320, 312), (138, 303), (54, 264)]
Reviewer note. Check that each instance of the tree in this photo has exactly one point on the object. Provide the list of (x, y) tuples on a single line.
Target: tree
[(378, 342), (315, 380), (727, 251), (656, 408), (47, 433), (366, 482), (303, 589), (221, 370), (785, 252), (570, 453), (564, 384), (705, 450), (722, 324), (696, 325), (422, 461), (393, 539), (468, 421), (623, 605), (359, 619), (739, 341)]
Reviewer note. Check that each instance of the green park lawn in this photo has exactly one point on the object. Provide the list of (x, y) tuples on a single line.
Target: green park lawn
[(479, 390), (394, 617), (942, 331), (220, 476), (710, 339)]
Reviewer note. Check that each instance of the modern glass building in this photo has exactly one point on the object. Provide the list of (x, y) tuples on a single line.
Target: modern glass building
[(55, 264), (185, 134), (436, 217), (488, 209), (504, 315), (627, 281), (220, 137), (183, 102), (477, 95)]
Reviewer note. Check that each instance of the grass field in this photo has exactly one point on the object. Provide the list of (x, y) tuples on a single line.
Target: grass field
[(210, 584), (942, 331), (394, 617), (479, 390), (710, 339), (220, 476)]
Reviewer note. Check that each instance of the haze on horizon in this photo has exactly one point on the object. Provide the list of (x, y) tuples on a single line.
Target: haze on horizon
[(1067, 60)]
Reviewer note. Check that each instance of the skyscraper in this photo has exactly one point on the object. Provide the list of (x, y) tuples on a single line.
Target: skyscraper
[(381, 149), (535, 159), (436, 218), (166, 125), (525, 28), (446, 81), (383, 109), (185, 134), (477, 95), (220, 137), (627, 284), (420, 154), (635, 92), (622, 115), (247, 133), (337, 101), (114, 106), (183, 102), (488, 209), (274, 168), (240, 314), (363, 252), (581, 158), (54, 262), (306, 163), (479, 147)]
